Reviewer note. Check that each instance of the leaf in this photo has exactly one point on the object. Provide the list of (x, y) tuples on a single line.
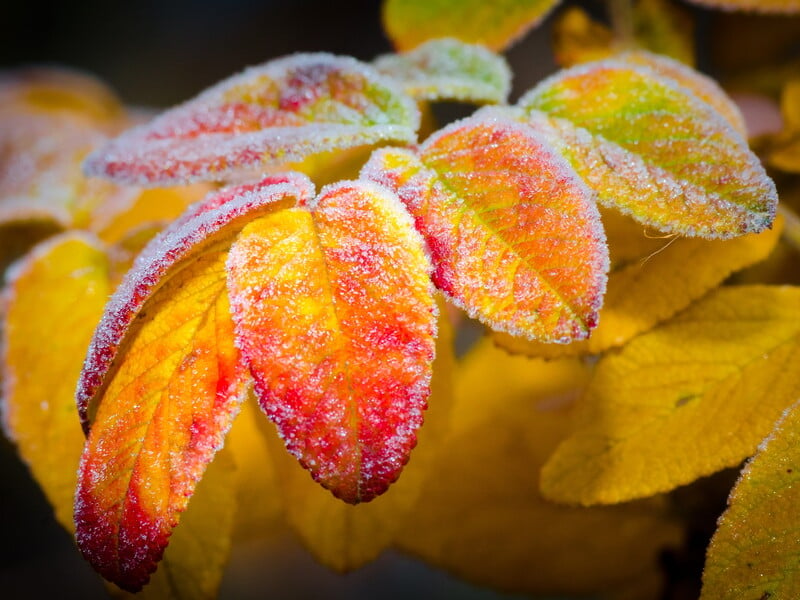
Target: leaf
[(165, 380), (447, 69), (658, 26), (761, 6), (689, 398), (649, 282), (55, 298), (784, 147), (335, 317), (194, 563), (260, 509), (58, 90), (480, 514), (514, 236), (40, 172), (497, 25), (648, 146), (345, 537), (754, 551), (269, 115)]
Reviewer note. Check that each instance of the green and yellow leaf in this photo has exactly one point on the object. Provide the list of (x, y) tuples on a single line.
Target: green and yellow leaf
[(496, 24), (447, 69)]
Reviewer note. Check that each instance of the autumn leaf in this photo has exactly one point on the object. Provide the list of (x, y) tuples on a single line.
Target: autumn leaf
[(497, 25), (447, 69), (649, 282), (43, 90), (162, 382), (335, 317), (514, 236), (345, 537), (784, 148), (269, 115), (754, 551), (55, 298), (689, 398), (761, 6), (649, 146), (658, 26), (480, 514), (194, 563)]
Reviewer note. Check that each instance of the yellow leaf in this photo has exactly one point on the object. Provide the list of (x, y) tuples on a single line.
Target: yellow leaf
[(754, 552), (198, 550), (784, 153), (260, 511), (18, 237), (56, 297), (649, 282), (577, 38), (343, 536), (687, 399), (480, 514)]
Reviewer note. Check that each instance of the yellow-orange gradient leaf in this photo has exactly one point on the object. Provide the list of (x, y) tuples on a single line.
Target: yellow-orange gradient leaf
[(344, 537), (162, 382), (55, 299), (514, 235), (754, 552), (693, 396), (480, 514), (336, 319)]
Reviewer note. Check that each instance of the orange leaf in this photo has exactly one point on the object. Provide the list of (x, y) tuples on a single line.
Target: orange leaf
[(515, 237), (165, 379), (336, 319), (273, 114)]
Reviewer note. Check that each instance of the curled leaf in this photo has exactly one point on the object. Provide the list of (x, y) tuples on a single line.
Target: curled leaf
[(495, 24), (164, 379), (335, 317), (447, 69), (269, 115), (513, 234), (689, 398), (649, 146)]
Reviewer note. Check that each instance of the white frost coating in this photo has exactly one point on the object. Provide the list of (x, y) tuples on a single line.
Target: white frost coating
[(162, 252), (712, 136), (448, 69), (704, 88), (178, 146)]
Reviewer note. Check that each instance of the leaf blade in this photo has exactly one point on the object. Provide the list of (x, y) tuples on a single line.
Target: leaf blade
[(346, 412), (279, 112)]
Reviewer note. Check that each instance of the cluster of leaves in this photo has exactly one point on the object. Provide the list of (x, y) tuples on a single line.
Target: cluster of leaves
[(326, 302)]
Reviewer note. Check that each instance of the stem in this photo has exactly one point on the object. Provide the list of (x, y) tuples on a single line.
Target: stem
[(621, 14), (791, 226)]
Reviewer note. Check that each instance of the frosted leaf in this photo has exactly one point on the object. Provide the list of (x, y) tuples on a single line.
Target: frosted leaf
[(514, 236), (448, 69), (646, 144), (214, 220), (269, 115)]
